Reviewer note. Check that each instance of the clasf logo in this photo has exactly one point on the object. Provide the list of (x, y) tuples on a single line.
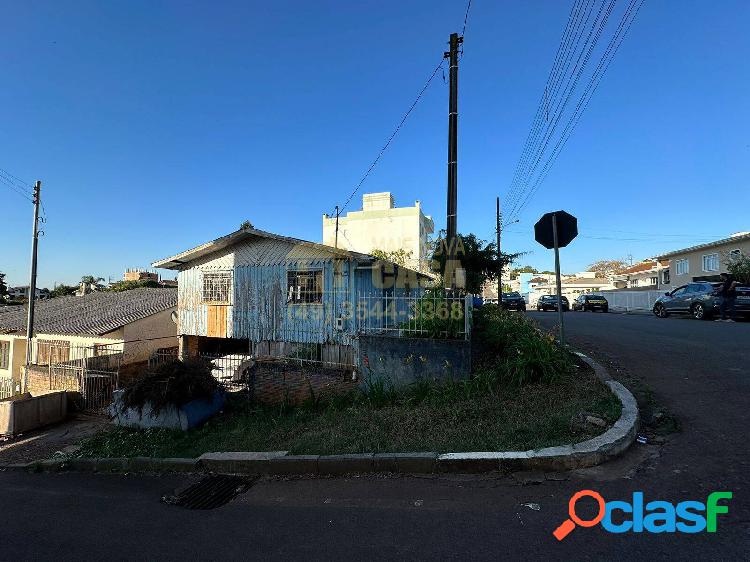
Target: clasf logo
[(652, 517)]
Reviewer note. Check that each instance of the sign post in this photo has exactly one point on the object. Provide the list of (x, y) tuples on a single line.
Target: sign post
[(554, 231)]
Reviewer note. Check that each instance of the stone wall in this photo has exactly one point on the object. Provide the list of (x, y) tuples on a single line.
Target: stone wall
[(405, 360)]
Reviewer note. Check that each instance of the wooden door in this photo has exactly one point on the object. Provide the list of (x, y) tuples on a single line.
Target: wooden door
[(217, 321)]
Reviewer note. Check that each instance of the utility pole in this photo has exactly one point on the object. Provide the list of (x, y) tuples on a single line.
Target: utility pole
[(499, 258), (452, 204), (32, 283), (336, 236)]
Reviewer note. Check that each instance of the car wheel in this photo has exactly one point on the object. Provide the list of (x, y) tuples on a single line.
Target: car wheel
[(660, 311), (605, 309), (698, 311)]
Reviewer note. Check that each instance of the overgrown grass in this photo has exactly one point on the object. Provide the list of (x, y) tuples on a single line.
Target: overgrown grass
[(523, 395)]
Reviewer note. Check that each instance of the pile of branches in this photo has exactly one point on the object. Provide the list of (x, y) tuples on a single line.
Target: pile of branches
[(175, 383)]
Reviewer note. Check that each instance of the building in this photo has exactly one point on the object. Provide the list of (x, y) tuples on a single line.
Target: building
[(140, 275), (22, 292), (643, 275), (126, 327), (571, 286), (253, 290), (704, 262), (380, 225)]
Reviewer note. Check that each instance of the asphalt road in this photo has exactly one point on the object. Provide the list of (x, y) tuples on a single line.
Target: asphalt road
[(699, 370)]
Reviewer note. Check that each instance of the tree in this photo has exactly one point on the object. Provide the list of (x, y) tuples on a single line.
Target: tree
[(91, 280), (246, 225), (121, 286), (399, 257), (606, 268), (3, 288), (477, 257), (739, 267), (62, 291), (525, 269)]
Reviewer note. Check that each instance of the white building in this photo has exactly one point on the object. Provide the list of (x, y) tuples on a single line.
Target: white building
[(571, 286), (380, 225)]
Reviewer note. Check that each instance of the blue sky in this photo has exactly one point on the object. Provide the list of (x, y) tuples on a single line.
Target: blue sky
[(156, 126)]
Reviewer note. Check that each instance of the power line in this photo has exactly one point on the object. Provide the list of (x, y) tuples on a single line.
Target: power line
[(466, 18), (18, 181), (13, 187), (617, 39), (390, 139)]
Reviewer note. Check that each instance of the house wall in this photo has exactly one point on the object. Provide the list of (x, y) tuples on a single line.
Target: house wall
[(154, 332), (695, 261), (16, 357), (382, 226), (258, 309)]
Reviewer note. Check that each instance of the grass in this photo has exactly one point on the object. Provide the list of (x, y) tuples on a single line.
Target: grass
[(522, 396)]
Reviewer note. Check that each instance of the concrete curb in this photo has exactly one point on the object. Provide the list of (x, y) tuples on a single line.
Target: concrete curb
[(606, 446)]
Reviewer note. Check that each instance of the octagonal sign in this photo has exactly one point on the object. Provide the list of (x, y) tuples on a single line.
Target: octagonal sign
[(567, 229)]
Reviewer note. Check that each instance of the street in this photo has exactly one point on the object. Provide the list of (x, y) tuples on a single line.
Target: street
[(697, 370)]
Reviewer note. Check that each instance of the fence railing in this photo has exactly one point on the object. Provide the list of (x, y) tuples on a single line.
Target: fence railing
[(427, 315), (632, 300)]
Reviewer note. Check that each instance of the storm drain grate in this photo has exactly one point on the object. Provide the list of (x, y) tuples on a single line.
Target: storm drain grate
[(209, 492)]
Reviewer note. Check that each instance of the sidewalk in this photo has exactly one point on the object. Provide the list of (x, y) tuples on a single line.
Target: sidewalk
[(45, 442)]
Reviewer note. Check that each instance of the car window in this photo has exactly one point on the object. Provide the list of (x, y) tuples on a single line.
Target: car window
[(679, 292)]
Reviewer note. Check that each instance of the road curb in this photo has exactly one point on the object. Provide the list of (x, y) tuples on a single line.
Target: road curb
[(597, 450)]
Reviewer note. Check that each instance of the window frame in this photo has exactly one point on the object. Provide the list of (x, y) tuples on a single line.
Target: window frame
[(4, 355), (715, 261), (678, 263), (293, 292), (226, 276)]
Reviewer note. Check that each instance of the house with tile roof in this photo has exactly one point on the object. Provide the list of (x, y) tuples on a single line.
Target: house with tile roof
[(130, 325), (640, 276)]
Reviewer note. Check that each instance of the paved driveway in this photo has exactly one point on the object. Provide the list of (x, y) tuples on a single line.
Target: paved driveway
[(699, 370)]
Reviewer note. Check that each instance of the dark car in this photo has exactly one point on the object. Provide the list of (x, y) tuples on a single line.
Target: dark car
[(700, 299), (513, 301), (591, 302), (549, 302)]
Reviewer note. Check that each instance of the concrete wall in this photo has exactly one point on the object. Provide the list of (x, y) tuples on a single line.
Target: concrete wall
[(383, 227), (405, 360), (29, 412), (155, 331)]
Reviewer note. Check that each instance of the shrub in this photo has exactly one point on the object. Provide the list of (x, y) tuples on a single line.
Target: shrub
[(739, 266), (174, 383), (516, 351), (436, 316)]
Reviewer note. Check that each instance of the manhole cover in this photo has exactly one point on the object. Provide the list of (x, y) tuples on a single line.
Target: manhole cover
[(209, 492)]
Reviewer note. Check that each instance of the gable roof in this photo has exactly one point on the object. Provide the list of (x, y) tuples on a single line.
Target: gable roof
[(94, 314), (178, 260), (739, 237), (646, 265)]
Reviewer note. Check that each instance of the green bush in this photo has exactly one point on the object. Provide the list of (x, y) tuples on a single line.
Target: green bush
[(515, 351), (435, 316)]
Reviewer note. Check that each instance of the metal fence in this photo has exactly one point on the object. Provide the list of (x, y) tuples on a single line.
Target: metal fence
[(428, 315), (632, 300), (92, 371)]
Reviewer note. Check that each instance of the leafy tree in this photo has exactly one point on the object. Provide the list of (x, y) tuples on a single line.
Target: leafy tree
[(477, 257), (739, 267), (605, 268), (62, 291), (3, 288), (129, 285), (399, 257), (93, 281), (525, 269), (246, 225)]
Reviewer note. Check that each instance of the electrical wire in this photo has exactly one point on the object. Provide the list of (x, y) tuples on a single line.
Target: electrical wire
[(13, 187), (466, 18), (393, 135)]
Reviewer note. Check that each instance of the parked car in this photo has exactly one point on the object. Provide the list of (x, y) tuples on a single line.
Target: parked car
[(700, 299), (591, 302), (549, 302), (513, 301)]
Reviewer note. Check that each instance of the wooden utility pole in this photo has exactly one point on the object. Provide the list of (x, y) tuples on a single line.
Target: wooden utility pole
[(499, 257), (336, 236), (452, 203), (32, 283)]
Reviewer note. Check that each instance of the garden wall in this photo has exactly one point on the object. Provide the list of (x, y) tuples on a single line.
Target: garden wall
[(405, 360), (277, 381)]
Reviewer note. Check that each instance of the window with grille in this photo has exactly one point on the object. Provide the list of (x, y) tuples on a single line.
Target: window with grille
[(217, 287), (52, 352), (304, 287), (4, 354)]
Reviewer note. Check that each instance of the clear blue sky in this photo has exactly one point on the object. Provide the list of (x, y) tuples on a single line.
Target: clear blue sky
[(156, 126)]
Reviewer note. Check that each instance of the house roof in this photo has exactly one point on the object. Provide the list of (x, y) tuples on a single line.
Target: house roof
[(736, 238), (646, 265), (176, 261), (94, 314), (586, 281)]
